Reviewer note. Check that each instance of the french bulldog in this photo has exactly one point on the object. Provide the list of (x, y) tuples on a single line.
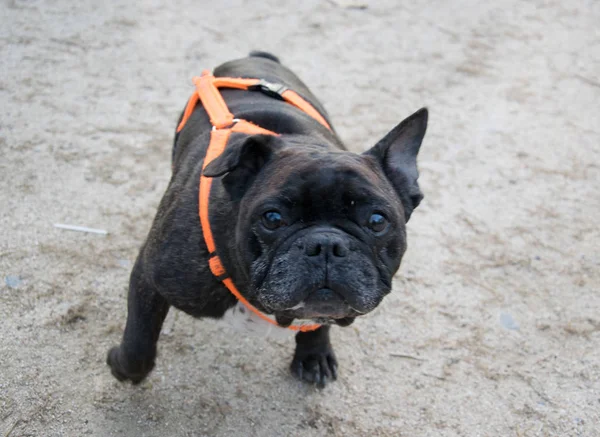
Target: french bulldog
[(304, 228)]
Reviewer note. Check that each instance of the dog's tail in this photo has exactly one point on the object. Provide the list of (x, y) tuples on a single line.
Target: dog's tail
[(266, 55)]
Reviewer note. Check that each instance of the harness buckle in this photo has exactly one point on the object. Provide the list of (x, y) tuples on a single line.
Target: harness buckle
[(233, 122), (271, 89)]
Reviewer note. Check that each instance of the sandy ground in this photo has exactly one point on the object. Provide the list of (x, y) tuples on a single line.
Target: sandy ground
[(493, 328)]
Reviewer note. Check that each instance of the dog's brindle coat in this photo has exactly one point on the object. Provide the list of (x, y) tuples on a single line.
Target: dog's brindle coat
[(328, 253)]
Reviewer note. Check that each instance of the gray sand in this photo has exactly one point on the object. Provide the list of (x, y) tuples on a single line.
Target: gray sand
[(493, 325)]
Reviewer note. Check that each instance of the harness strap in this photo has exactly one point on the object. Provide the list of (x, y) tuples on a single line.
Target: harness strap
[(294, 99), (224, 124), (207, 91), (218, 142)]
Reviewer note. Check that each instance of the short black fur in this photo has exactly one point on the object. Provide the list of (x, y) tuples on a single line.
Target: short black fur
[(322, 262)]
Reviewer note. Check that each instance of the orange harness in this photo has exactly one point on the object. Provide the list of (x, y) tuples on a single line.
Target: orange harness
[(223, 122)]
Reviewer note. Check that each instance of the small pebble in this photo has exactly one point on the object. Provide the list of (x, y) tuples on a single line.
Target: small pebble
[(12, 281), (508, 322)]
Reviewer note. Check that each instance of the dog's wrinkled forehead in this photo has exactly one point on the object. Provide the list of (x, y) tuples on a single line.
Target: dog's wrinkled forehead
[(324, 179)]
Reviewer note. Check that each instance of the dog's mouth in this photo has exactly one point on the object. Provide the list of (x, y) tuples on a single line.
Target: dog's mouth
[(323, 305)]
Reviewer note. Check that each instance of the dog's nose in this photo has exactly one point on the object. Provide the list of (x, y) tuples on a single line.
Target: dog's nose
[(326, 244)]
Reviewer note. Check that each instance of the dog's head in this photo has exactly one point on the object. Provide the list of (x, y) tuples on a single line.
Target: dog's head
[(321, 233)]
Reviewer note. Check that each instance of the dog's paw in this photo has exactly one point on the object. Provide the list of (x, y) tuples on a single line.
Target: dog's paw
[(316, 364), (119, 371)]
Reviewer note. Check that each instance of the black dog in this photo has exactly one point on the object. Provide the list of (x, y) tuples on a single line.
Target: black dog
[(305, 229)]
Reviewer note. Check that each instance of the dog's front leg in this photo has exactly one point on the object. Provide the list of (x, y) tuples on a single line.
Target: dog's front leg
[(146, 310), (314, 360)]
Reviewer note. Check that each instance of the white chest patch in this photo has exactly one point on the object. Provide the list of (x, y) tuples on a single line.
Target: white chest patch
[(244, 320)]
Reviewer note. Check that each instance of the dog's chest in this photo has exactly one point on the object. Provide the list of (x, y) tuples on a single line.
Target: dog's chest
[(244, 320)]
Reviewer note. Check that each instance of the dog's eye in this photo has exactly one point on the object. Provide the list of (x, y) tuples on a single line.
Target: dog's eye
[(272, 220), (377, 222)]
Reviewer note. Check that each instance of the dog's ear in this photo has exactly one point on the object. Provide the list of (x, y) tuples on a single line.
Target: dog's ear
[(242, 160), (397, 155), (247, 154)]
